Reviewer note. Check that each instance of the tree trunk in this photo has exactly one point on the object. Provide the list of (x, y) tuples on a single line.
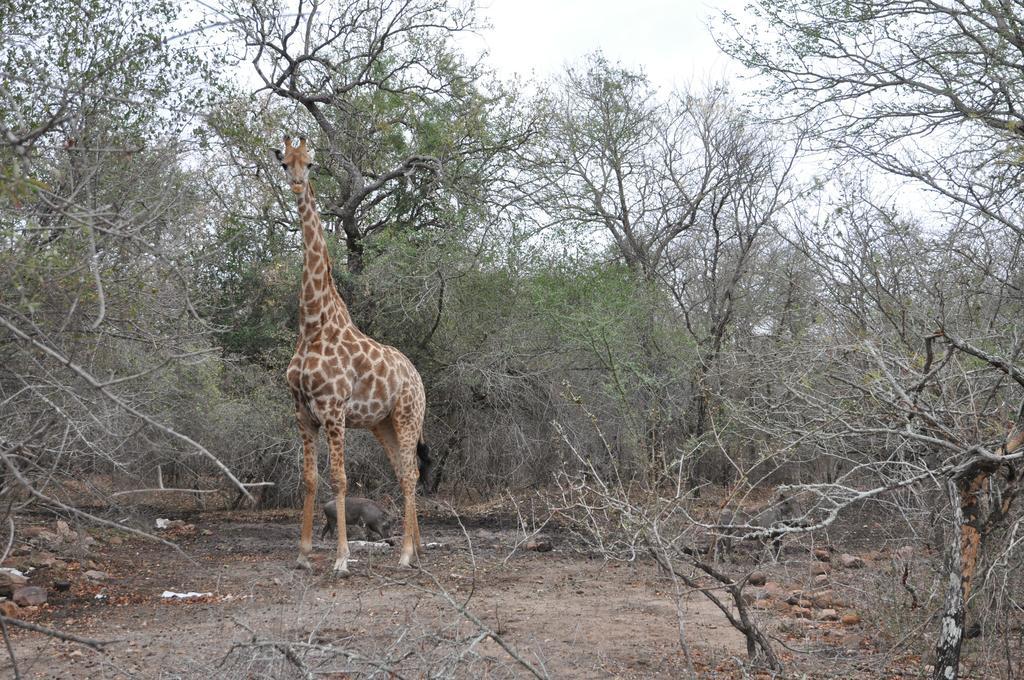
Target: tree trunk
[(962, 558), (354, 246), (951, 633)]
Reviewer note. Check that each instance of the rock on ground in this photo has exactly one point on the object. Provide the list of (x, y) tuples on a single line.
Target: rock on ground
[(11, 579), (28, 596), (851, 562)]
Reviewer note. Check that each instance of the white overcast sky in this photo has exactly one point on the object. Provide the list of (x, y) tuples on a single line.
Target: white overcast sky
[(669, 39)]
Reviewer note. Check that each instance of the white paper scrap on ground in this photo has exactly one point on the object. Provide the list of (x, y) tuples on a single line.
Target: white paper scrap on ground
[(433, 545), (170, 594), (162, 522), (369, 544)]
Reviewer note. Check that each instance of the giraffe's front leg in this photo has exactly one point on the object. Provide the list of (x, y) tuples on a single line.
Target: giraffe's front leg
[(309, 480), (336, 438)]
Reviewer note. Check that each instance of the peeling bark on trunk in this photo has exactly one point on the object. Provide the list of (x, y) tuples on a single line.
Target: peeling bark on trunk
[(963, 555), (951, 633)]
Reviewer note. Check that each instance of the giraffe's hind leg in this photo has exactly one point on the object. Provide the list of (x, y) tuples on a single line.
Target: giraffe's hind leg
[(308, 431), (400, 444)]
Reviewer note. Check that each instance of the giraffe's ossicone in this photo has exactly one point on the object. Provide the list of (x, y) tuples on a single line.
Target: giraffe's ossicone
[(340, 377)]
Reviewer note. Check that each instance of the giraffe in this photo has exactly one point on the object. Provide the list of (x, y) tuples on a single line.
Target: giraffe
[(340, 377)]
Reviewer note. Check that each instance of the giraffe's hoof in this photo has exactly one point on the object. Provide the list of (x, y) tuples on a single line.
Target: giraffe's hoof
[(341, 568), (303, 563)]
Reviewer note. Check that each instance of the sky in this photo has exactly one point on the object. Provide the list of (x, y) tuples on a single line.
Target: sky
[(669, 39)]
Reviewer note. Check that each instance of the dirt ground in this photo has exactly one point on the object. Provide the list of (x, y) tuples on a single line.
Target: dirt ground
[(562, 612)]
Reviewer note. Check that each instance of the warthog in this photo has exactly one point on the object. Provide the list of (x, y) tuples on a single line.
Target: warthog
[(357, 510), (740, 523)]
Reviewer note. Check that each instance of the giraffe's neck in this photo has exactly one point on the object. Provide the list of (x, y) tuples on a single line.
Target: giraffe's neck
[(319, 299)]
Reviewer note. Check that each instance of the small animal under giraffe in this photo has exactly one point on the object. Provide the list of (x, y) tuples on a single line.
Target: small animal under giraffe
[(340, 377), (358, 511)]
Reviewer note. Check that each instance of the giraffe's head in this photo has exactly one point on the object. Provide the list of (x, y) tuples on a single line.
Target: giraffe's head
[(296, 161)]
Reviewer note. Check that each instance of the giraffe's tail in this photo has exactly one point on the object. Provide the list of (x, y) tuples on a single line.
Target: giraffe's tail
[(423, 454)]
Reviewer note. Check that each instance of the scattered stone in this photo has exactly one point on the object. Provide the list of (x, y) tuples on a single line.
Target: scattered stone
[(805, 604), (773, 589), (11, 579), (48, 537), (822, 555), (62, 585), (748, 597), (206, 532), (822, 599), (794, 596), (29, 596), (819, 569), (850, 619), (9, 609), (828, 615), (89, 564), (851, 561), (41, 560), (21, 550), (115, 540), (539, 545), (821, 580), (65, 532), (792, 628), (757, 578), (96, 575), (855, 642), (763, 603), (32, 532), (803, 612)]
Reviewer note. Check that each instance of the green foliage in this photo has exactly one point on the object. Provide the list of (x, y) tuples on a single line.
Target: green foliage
[(59, 55)]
